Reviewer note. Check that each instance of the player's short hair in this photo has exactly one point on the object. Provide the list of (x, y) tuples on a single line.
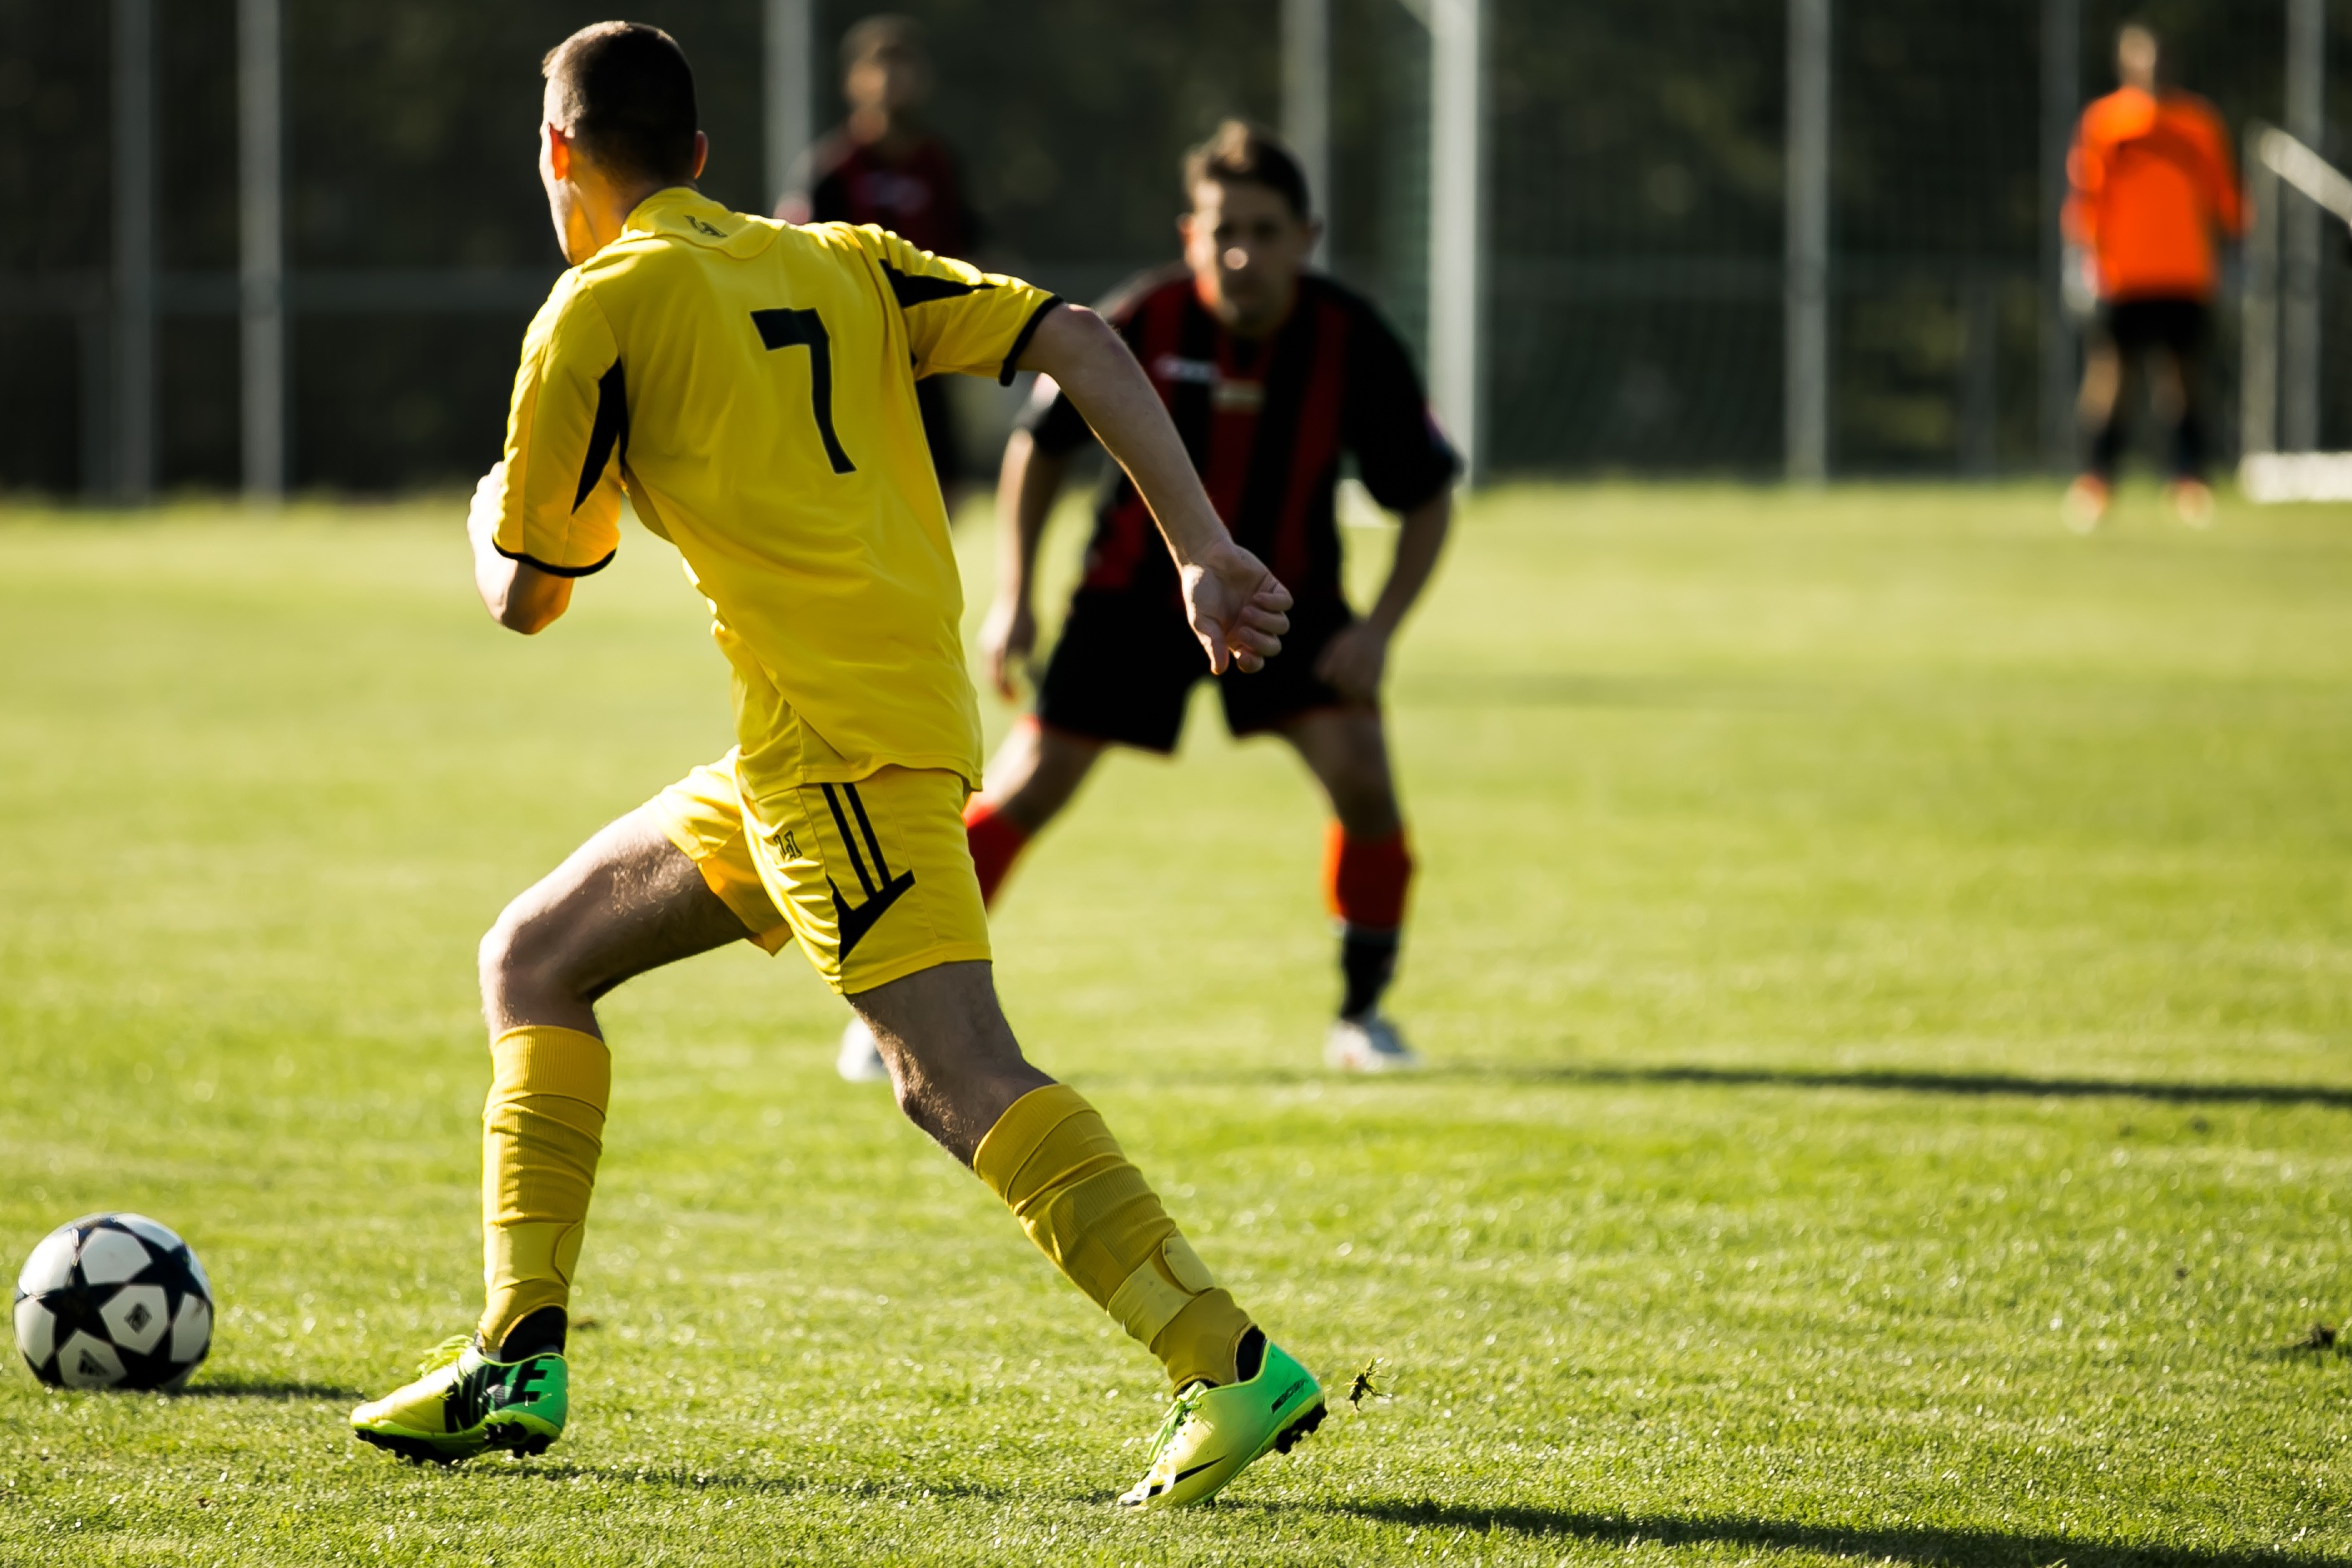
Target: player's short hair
[(1238, 152), (625, 91), (887, 30)]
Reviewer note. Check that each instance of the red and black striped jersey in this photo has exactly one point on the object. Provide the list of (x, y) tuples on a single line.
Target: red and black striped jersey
[(1266, 420), (918, 195)]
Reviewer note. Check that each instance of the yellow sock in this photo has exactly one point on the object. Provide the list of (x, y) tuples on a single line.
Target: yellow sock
[(1058, 1167), (543, 1128)]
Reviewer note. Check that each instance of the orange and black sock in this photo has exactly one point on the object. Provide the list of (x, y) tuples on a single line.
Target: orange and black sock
[(996, 842), (1364, 886)]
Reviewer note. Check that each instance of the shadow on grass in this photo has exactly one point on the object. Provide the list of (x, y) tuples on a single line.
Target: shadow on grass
[(278, 1388), (1898, 1081), (1889, 1080), (1495, 689), (686, 1479), (1894, 1543)]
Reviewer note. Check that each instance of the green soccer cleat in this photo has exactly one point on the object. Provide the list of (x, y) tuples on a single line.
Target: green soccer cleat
[(1214, 1432), (464, 1403)]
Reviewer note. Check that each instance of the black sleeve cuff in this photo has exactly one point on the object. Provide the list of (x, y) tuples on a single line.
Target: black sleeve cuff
[(538, 565), (1021, 344)]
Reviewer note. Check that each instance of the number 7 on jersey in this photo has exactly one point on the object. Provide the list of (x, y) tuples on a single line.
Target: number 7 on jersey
[(805, 330)]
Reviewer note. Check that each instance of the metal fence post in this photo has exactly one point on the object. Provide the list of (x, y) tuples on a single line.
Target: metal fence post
[(2258, 371), (1979, 391), (2306, 121), (262, 249), (1307, 100), (1806, 305), (788, 77), (2062, 93), (1456, 220), (134, 248)]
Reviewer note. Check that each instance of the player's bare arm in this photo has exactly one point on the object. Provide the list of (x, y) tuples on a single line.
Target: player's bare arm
[(1027, 489), (589, 207), (518, 596), (1356, 660), (1236, 608)]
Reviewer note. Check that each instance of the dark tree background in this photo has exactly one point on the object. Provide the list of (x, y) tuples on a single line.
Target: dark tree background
[(1634, 316)]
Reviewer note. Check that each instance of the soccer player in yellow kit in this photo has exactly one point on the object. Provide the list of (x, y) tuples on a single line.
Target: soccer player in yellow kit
[(751, 385)]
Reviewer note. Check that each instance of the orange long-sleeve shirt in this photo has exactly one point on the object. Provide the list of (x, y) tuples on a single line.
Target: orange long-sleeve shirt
[(2152, 181)]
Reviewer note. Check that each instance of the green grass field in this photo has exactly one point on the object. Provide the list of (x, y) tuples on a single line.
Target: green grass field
[(1884, 961)]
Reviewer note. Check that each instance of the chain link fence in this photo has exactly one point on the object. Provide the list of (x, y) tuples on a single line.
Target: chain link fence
[(1634, 239)]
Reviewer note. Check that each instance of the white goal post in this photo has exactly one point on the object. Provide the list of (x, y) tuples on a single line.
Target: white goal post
[(2277, 164)]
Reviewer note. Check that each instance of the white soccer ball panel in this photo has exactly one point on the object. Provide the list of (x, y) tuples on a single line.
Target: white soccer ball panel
[(36, 1331), (137, 1317), (192, 1331), (87, 1363), (111, 1256), (50, 1267), (151, 1230)]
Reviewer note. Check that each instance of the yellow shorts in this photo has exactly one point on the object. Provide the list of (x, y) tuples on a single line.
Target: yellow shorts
[(873, 878)]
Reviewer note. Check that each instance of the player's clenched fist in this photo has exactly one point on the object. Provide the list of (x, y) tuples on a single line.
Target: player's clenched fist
[(1238, 609)]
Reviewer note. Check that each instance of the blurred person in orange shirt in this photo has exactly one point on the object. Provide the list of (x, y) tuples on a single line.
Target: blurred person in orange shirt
[(883, 166), (2153, 191)]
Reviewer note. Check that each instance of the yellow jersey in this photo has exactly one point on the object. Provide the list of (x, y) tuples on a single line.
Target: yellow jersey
[(751, 384)]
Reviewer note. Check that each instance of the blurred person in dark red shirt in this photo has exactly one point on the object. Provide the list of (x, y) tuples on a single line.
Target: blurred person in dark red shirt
[(2153, 193), (882, 166)]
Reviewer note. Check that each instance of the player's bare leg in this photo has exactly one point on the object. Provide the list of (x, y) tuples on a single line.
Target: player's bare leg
[(1036, 773), (1366, 870), (961, 1077), (953, 1063), (625, 901), (1032, 778), (2172, 394), (2098, 413)]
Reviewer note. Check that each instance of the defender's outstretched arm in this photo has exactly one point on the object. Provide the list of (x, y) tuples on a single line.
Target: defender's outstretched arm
[(1356, 660), (1236, 608), (1026, 488), (518, 596)]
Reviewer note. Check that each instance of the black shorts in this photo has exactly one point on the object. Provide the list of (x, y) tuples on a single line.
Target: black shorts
[(1125, 665), (2134, 326)]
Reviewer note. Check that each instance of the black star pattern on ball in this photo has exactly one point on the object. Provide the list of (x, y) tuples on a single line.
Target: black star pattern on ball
[(80, 1306)]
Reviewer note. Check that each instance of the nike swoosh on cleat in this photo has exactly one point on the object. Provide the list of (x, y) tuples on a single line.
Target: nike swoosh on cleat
[(1182, 1475)]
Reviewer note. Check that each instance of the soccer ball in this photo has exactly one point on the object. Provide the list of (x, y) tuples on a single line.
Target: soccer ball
[(113, 1300)]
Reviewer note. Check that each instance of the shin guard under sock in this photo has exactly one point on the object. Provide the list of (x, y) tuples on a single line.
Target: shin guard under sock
[(542, 1130), (996, 842), (1058, 1167)]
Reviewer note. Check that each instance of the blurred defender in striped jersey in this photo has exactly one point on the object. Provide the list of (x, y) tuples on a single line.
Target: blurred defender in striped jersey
[(1274, 375)]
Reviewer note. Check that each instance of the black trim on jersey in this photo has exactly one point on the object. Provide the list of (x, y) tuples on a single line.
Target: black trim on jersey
[(611, 429), (1021, 343), (538, 565), (921, 288)]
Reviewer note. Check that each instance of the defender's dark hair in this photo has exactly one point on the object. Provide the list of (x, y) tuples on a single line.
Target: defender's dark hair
[(887, 30), (625, 93), (1240, 152)]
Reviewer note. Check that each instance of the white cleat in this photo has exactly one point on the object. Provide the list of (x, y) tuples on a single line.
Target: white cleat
[(860, 1060), (1368, 1044)]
